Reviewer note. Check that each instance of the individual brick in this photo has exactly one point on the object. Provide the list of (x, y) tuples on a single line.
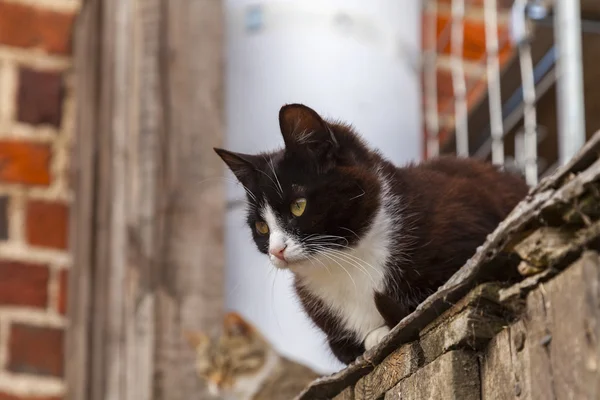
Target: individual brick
[(28, 26), (23, 284), (63, 287), (470, 323), (397, 366), (3, 217), (563, 331), (8, 396), (504, 372), (552, 351), (47, 224), (472, 329), (453, 376), (40, 97), (500, 4), (36, 350), (24, 162)]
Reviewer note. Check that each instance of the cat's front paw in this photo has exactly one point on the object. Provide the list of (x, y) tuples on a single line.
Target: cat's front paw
[(375, 337)]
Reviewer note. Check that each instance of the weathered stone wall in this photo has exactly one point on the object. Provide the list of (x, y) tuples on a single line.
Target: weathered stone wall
[(36, 120), (474, 352), (553, 351)]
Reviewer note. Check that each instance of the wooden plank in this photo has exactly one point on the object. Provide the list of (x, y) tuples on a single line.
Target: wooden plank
[(148, 237), (190, 280), (143, 224), (77, 351), (116, 103)]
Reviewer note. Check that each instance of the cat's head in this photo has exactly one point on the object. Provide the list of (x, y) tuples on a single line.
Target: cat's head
[(234, 363), (313, 198)]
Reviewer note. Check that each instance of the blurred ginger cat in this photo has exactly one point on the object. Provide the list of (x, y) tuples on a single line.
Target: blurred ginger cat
[(242, 365)]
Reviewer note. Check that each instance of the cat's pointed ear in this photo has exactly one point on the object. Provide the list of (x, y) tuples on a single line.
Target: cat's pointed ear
[(235, 325), (243, 166), (303, 128), (196, 339)]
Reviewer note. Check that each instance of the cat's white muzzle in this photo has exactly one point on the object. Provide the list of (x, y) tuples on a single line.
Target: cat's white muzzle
[(278, 263)]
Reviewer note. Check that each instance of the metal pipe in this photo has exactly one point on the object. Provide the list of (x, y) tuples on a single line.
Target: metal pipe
[(522, 35), (587, 25), (515, 115), (493, 80), (458, 79), (430, 75), (570, 101), (529, 114)]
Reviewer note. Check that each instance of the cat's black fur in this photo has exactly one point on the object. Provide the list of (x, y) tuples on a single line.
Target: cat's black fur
[(447, 207)]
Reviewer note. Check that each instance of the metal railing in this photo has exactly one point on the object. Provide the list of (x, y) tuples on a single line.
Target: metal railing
[(567, 75)]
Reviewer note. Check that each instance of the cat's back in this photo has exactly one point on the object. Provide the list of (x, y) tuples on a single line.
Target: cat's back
[(452, 183), (286, 381), (449, 206), (458, 168)]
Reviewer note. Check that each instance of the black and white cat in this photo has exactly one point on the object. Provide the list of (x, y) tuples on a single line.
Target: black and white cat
[(366, 241)]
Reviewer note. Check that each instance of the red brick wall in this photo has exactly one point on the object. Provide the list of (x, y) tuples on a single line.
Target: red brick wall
[(474, 53), (36, 121)]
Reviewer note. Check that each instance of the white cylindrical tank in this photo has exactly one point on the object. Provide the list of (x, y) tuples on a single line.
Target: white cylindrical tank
[(352, 60)]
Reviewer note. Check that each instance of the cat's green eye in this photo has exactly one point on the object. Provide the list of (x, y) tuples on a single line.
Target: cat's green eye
[(261, 227), (298, 207)]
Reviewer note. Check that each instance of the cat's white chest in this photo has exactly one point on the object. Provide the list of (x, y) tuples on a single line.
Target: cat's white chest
[(346, 281), (348, 291)]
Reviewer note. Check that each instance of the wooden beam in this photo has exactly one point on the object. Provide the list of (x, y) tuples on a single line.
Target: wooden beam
[(190, 286), (147, 231), (77, 346)]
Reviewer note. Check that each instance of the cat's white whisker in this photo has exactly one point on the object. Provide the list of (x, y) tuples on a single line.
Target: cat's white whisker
[(342, 267), (358, 259), (358, 196), (252, 196), (353, 263), (274, 183), (276, 186), (276, 178), (325, 237), (351, 231), (231, 291), (311, 258), (273, 298), (345, 259), (304, 136)]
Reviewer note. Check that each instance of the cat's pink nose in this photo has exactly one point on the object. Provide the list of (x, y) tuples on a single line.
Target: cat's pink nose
[(278, 252)]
